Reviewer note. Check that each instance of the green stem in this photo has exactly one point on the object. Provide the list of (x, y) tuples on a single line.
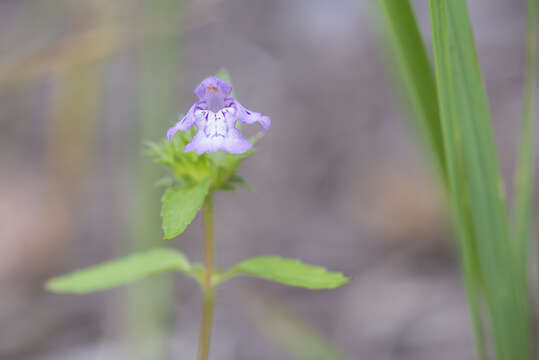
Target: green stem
[(208, 290)]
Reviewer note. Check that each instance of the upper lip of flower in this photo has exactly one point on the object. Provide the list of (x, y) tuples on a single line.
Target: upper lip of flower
[(215, 115)]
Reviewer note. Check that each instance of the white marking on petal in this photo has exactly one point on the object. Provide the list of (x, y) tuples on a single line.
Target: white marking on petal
[(209, 127), (220, 125), (201, 113)]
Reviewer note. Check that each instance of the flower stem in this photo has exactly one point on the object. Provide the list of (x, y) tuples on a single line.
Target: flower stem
[(208, 292)]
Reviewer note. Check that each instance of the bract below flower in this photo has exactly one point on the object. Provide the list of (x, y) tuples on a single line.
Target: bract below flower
[(215, 115)]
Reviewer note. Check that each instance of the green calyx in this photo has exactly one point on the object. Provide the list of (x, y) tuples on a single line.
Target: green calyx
[(190, 168)]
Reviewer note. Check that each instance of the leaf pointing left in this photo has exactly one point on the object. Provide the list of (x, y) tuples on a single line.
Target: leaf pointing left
[(120, 271)]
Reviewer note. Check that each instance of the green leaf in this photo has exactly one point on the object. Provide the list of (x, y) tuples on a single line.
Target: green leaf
[(227, 187), (180, 206), (241, 182), (289, 272), (119, 272), (165, 181)]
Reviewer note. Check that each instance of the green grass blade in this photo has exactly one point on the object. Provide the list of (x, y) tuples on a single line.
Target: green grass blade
[(475, 178), (525, 170), (413, 69)]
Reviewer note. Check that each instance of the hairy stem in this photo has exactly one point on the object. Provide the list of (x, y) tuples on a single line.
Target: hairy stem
[(208, 292)]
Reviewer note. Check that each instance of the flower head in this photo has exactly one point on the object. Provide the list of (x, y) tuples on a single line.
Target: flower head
[(215, 115)]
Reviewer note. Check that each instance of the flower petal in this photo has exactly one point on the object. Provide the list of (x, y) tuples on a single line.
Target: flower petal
[(173, 130), (250, 117), (235, 143), (217, 132), (202, 144), (212, 85), (185, 123)]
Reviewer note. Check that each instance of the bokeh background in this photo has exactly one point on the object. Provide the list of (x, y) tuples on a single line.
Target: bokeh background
[(339, 179)]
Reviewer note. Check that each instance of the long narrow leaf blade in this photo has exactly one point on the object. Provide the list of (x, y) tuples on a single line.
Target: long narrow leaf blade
[(409, 55), (412, 67), (475, 175), (524, 173)]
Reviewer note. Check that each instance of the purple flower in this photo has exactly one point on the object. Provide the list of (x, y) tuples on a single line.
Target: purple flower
[(215, 115)]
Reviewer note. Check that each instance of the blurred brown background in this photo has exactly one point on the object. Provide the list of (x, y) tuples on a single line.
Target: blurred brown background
[(339, 179)]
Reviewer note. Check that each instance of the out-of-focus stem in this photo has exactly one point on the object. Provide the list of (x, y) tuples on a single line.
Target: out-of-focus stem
[(71, 146), (149, 307), (208, 290)]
